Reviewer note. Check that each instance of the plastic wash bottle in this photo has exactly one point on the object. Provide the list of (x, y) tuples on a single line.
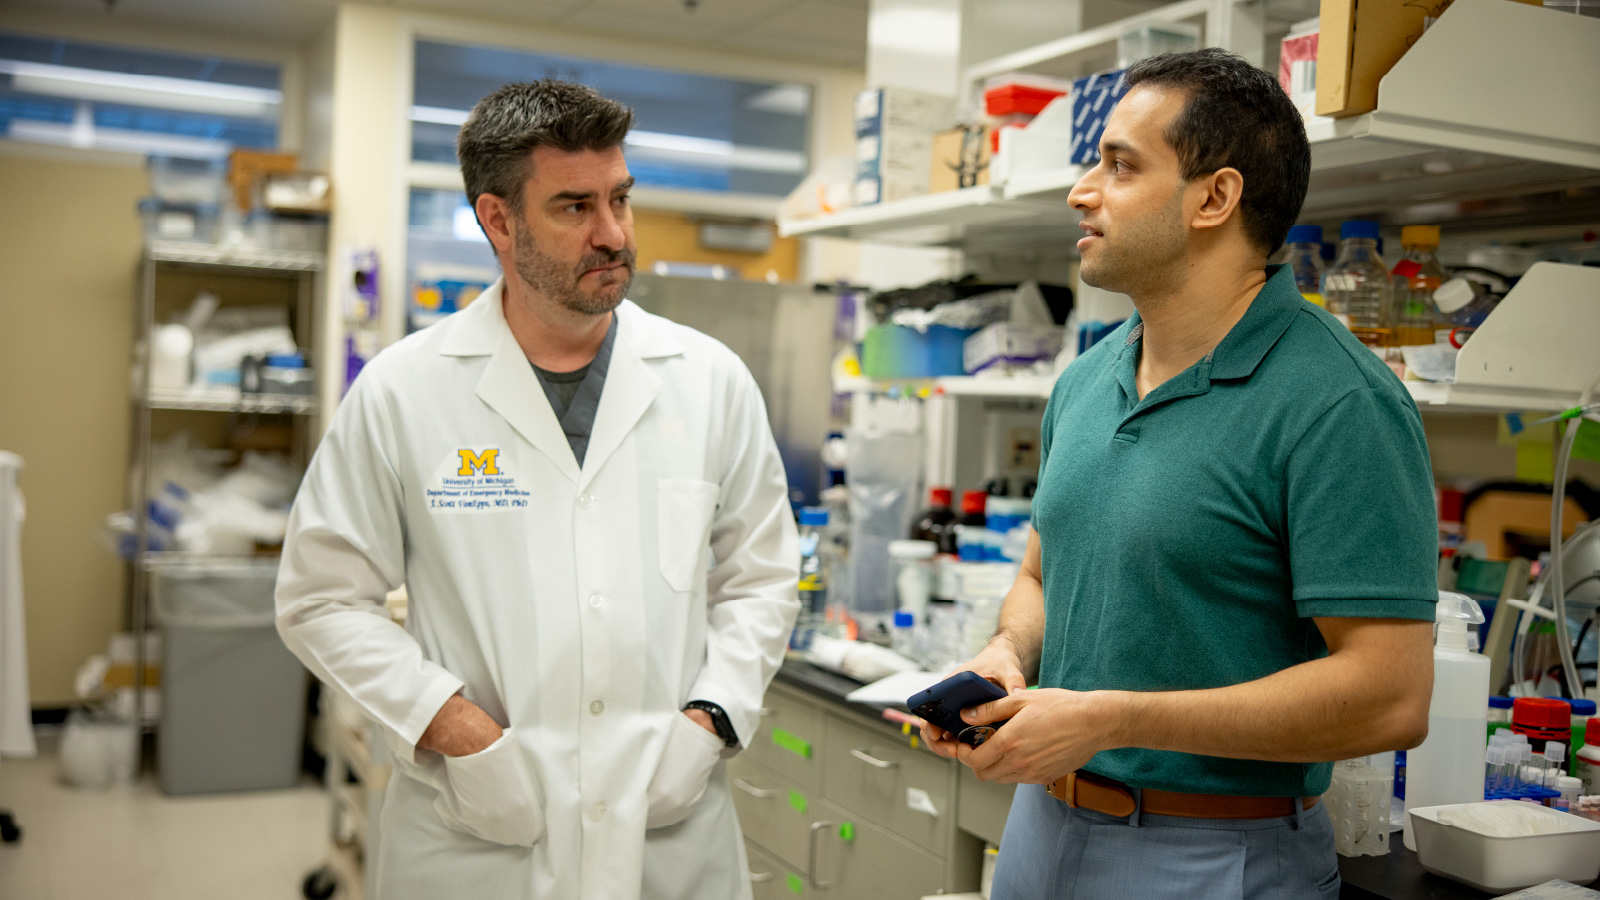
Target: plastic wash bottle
[(1448, 767)]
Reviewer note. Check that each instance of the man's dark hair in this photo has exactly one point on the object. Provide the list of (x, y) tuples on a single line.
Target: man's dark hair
[(1237, 116), (496, 143)]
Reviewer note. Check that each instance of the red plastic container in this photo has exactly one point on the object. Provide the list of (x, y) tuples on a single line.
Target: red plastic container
[(1010, 99)]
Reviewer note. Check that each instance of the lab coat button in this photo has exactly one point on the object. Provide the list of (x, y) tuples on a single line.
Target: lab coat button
[(597, 707), (586, 500), (597, 811), (595, 600)]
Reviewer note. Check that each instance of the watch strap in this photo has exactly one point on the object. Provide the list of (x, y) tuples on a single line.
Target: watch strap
[(719, 720)]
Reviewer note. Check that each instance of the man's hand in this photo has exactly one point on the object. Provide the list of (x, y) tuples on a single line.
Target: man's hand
[(1051, 732), (703, 719), (1000, 663), (460, 728)]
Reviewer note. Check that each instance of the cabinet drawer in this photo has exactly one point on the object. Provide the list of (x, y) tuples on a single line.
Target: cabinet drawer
[(769, 878), (982, 806), (857, 860), (888, 783), (773, 811), (789, 738)]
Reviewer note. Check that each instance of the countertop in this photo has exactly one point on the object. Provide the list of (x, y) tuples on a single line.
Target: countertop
[(1395, 876)]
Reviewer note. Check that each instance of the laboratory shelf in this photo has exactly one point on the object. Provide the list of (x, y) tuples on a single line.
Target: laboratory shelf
[(1449, 127), (975, 218), (219, 562), (1035, 387), (234, 257), (232, 401)]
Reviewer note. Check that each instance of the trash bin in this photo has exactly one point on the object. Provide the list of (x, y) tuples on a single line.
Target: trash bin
[(232, 695)]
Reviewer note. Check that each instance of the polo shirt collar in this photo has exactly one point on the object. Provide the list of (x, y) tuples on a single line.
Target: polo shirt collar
[(1239, 353), (1268, 317)]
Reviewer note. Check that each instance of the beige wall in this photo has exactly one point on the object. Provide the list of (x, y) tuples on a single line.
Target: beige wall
[(69, 253)]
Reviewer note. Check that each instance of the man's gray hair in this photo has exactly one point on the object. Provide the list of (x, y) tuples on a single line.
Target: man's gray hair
[(495, 145)]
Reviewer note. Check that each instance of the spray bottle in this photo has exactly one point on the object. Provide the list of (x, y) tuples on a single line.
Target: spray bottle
[(1448, 767)]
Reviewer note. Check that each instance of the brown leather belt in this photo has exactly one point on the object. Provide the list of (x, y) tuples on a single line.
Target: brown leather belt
[(1087, 791)]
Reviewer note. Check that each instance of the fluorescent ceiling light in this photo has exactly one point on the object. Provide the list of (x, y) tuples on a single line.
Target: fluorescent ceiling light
[(183, 94), (438, 115), (123, 140), (662, 146), (785, 99)]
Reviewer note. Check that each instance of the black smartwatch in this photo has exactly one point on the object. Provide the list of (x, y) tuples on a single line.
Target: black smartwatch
[(719, 720)]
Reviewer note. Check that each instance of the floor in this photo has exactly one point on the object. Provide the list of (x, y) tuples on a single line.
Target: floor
[(132, 842)]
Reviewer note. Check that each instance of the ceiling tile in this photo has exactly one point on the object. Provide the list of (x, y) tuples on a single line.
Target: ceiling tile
[(717, 17), (634, 26), (814, 23)]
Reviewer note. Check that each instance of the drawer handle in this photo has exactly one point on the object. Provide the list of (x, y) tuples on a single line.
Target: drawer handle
[(760, 877), (811, 857), (752, 790), (873, 761)]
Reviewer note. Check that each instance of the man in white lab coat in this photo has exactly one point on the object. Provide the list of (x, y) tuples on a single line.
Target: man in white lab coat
[(588, 509)]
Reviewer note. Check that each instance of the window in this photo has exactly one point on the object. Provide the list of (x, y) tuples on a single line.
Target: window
[(118, 98), (694, 132)]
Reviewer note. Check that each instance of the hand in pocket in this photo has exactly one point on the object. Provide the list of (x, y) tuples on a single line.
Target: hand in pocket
[(685, 770), (491, 795)]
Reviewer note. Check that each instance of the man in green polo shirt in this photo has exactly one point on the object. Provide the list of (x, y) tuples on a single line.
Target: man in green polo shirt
[(1233, 570)]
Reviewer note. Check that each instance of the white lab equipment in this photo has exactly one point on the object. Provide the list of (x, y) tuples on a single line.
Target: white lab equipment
[(913, 575), (1448, 767), (1505, 845), (16, 719), (171, 352), (1358, 804)]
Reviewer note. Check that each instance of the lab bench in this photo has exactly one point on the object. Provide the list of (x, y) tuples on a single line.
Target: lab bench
[(836, 801)]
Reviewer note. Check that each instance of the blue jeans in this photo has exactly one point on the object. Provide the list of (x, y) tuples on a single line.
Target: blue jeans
[(1054, 852)]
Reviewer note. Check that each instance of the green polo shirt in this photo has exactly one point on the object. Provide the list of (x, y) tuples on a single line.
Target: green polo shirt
[(1190, 537)]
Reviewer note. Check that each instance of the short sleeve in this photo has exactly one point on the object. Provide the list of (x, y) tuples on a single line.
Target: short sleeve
[(1361, 527)]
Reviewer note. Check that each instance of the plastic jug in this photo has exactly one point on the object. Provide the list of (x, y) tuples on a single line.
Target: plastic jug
[(1448, 767)]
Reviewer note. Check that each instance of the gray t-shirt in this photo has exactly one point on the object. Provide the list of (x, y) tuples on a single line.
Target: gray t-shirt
[(575, 396)]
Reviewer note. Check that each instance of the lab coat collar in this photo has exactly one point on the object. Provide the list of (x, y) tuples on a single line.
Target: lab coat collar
[(510, 387)]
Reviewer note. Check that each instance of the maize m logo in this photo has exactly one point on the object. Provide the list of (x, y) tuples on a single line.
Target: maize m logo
[(474, 463)]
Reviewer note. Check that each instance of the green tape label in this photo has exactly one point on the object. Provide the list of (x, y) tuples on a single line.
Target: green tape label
[(798, 801), (796, 886), (791, 743), (847, 831)]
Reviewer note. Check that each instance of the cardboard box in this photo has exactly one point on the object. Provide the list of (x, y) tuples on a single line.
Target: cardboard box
[(1093, 99), (961, 159), (1360, 43), (894, 135), (245, 166), (1297, 71)]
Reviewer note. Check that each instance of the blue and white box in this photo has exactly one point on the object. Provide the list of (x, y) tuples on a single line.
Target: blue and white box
[(894, 142), (1093, 99)]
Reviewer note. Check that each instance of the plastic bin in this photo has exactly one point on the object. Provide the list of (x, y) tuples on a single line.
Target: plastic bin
[(187, 222), (232, 695), (1500, 864)]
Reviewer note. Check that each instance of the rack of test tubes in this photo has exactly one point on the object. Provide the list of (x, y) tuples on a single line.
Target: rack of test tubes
[(1512, 771)]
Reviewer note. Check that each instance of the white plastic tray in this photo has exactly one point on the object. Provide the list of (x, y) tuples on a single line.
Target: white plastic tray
[(1499, 864)]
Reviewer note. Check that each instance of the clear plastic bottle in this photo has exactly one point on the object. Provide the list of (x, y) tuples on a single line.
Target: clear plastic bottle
[(1415, 277), (1463, 302), (1355, 287), (903, 640), (813, 580), (1449, 766), (1304, 249)]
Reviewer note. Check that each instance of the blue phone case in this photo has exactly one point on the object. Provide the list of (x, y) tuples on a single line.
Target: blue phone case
[(942, 705)]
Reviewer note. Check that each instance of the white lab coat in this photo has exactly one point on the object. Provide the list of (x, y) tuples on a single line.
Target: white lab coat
[(580, 607)]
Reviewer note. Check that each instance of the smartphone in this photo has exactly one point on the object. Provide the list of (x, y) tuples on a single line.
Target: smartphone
[(942, 705)]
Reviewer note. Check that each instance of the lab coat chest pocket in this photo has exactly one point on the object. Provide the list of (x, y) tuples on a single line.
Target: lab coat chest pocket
[(685, 509), (491, 795)]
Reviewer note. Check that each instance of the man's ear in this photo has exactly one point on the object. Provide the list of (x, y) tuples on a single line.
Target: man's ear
[(494, 214), (1222, 192)]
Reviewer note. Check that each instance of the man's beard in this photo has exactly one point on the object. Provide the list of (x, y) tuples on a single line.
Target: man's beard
[(554, 279), (1146, 255)]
